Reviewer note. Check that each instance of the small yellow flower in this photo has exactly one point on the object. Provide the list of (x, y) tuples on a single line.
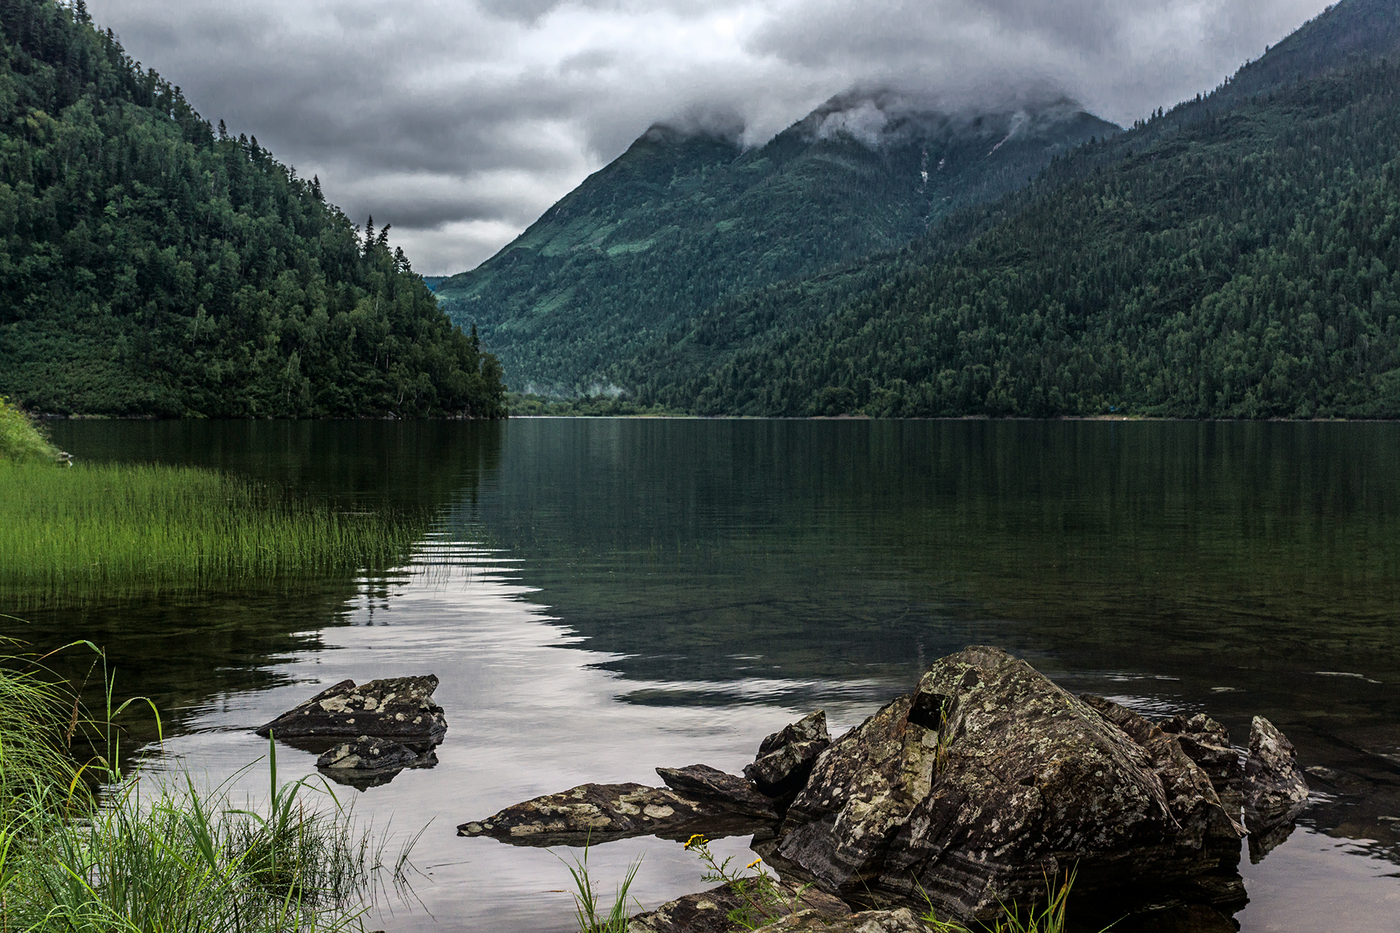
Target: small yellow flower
[(696, 841), (754, 863)]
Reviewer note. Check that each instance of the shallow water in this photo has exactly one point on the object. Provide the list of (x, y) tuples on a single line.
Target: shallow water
[(601, 597)]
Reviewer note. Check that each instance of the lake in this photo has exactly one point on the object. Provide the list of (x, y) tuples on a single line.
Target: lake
[(601, 597)]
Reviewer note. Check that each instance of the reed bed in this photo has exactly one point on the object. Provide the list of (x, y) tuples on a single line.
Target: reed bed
[(155, 857), (117, 530), (21, 438)]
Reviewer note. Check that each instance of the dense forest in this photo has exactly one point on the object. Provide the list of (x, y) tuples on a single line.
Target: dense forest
[(152, 265), (686, 218), (1244, 266)]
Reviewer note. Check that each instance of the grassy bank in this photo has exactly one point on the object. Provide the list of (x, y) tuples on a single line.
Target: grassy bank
[(120, 530), (156, 857), (21, 439)]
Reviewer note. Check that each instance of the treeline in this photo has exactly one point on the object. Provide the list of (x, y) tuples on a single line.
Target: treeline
[(151, 265), (682, 221), (1247, 266)]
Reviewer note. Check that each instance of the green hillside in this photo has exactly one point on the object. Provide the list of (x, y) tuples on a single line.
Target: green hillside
[(683, 220), (150, 265), (1245, 266)]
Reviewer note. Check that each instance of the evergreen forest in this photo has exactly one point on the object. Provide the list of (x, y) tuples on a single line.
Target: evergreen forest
[(151, 265)]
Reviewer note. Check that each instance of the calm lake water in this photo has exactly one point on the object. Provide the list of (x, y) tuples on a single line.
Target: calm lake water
[(600, 597)]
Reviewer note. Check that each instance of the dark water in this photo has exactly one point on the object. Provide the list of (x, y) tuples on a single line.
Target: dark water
[(601, 597)]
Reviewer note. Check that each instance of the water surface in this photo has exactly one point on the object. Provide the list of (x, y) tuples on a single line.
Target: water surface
[(600, 597)]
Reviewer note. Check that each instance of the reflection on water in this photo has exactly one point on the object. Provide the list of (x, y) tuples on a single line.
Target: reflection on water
[(600, 597)]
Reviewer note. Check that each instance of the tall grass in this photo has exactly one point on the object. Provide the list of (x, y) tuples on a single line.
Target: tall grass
[(155, 857), (21, 439), (114, 530)]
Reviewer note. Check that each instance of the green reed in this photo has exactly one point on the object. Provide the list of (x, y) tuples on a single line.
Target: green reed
[(112, 530), (155, 856)]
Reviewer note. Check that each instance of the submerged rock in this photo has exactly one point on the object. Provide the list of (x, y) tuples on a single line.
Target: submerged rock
[(604, 812), (1274, 787), (786, 757), (709, 911), (399, 708), (989, 780)]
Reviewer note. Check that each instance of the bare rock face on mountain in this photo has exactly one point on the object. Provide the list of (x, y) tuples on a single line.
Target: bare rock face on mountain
[(988, 780), (1274, 786), (398, 708)]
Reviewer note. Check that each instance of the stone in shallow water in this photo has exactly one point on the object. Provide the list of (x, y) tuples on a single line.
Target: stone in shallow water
[(988, 780), (1274, 787), (734, 793), (708, 911), (786, 757), (367, 753), (399, 708), (605, 812)]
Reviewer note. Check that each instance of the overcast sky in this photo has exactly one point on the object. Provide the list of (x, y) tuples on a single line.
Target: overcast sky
[(461, 122)]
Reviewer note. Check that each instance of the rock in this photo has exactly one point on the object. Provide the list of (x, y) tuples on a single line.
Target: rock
[(1274, 787), (786, 757), (367, 753), (734, 793), (709, 911), (399, 708), (989, 780), (1207, 743), (604, 812), (900, 920)]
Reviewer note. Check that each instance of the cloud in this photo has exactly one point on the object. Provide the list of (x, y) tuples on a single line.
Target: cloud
[(460, 122)]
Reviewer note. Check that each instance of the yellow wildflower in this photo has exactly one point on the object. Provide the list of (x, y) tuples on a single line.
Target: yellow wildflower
[(696, 841), (755, 862)]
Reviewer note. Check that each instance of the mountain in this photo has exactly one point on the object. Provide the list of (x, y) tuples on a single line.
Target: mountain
[(684, 219), (1236, 257), (150, 265)]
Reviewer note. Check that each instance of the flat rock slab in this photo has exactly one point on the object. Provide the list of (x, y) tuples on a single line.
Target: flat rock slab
[(709, 911), (605, 812), (398, 708), (733, 793), (901, 920)]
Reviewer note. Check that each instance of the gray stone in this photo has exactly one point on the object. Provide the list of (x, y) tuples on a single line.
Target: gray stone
[(989, 780), (709, 911), (733, 793), (604, 812), (1274, 787), (1207, 743), (367, 753), (786, 757), (399, 708), (900, 920)]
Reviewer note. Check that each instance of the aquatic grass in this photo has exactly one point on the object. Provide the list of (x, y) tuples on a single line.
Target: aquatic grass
[(162, 856), (587, 905), (116, 530), (21, 438)]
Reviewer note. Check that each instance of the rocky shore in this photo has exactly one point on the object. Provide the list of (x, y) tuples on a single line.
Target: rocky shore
[(984, 788)]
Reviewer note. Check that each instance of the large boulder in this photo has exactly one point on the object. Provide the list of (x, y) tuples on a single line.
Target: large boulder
[(989, 780), (1274, 786), (398, 708), (729, 792)]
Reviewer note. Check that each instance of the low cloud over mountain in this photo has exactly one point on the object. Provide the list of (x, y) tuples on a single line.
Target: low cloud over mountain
[(460, 122)]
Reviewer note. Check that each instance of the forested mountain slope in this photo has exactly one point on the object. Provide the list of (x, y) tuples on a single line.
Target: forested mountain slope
[(684, 219), (151, 266), (1245, 266)]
